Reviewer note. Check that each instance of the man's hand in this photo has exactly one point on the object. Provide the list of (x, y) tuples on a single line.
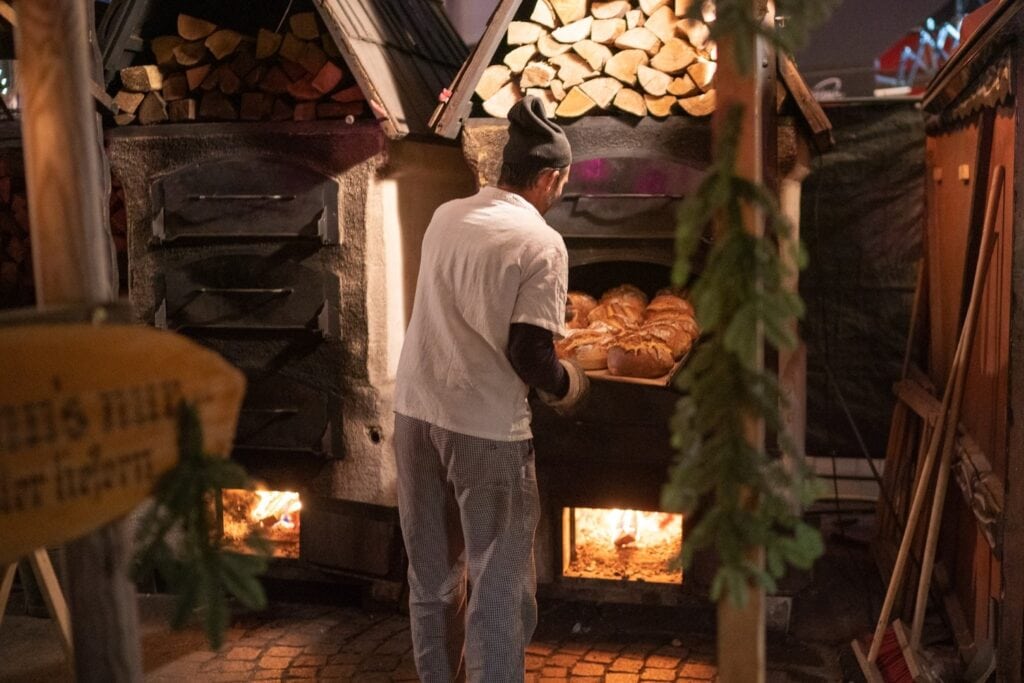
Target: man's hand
[(579, 388)]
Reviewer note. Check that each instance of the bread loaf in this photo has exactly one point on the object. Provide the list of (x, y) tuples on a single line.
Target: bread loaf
[(673, 333), (668, 302), (625, 294), (627, 314), (589, 348), (578, 309), (639, 355)]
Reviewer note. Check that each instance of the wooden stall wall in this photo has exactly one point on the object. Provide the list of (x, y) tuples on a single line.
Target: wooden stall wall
[(960, 163)]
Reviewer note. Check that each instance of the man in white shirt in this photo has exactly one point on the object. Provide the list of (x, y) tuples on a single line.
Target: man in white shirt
[(490, 297)]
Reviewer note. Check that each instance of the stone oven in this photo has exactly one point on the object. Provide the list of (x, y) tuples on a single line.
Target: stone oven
[(291, 246), (600, 474)]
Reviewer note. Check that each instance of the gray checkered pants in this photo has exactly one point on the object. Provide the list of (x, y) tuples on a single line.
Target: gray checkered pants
[(467, 503)]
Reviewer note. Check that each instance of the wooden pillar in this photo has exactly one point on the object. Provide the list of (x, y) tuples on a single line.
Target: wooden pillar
[(72, 263), (741, 631)]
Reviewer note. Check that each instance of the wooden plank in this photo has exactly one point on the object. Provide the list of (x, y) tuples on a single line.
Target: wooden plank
[(39, 559), (813, 114)]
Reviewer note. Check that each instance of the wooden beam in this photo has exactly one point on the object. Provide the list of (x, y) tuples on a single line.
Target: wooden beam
[(741, 630)]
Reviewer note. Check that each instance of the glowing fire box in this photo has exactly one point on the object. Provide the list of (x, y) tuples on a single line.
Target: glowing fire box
[(275, 513), (622, 545)]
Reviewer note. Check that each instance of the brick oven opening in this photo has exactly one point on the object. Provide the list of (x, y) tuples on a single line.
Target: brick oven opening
[(277, 514), (622, 545)]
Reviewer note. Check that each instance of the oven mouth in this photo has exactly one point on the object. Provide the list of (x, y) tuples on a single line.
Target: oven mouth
[(276, 515), (614, 544)]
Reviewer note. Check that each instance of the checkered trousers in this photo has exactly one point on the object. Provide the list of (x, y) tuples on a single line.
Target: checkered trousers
[(467, 505)]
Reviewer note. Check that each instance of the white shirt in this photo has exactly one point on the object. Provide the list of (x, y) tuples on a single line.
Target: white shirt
[(488, 261)]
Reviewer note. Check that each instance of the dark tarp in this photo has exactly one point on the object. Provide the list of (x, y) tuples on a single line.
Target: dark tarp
[(862, 220)]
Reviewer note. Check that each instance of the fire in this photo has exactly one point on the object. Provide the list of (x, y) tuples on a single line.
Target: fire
[(275, 513), (624, 544)]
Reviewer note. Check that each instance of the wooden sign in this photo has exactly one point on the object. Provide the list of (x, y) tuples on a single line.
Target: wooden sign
[(88, 423)]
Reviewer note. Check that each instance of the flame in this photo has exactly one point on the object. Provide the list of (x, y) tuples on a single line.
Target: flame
[(623, 544), (275, 513), (279, 506)]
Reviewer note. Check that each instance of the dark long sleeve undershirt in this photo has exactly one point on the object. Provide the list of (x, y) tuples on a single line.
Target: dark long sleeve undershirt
[(532, 353)]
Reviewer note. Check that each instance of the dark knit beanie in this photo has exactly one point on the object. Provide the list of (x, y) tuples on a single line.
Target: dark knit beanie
[(533, 139)]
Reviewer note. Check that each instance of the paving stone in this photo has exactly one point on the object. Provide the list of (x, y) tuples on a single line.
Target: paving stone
[(338, 671), (586, 679), (621, 678), (283, 651), (662, 662), (301, 672), (268, 662), (602, 656), (542, 649), (310, 660), (588, 669), (344, 658), (699, 670), (530, 678), (380, 663), (199, 656), (627, 664), (243, 653), (563, 660), (236, 666), (261, 675), (658, 675), (553, 679), (574, 648), (322, 647), (534, 662), (554, 672)]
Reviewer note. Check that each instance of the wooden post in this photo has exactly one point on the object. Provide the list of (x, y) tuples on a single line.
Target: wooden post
[(741, 631), (72, 263)]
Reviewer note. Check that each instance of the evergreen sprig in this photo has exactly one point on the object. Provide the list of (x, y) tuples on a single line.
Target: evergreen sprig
[(739, 497), (178, 537)]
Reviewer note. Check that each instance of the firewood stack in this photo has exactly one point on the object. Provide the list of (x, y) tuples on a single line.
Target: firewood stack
[(209, 73), (16, 286), (640, 57)]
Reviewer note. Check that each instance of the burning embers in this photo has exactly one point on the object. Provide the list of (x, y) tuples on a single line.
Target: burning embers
[(622, 545), (274, 513)]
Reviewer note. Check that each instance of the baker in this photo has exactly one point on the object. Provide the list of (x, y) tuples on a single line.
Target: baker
[(490, 296)]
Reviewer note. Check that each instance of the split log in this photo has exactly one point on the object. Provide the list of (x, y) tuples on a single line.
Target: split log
[(190, 54), (328, 77), (162, 48), (196, 75), (293, 70), (351, 94), (152, 110), (275, 81), (492, 79), (244, 61), (701, 105), (649, 6), (702, 72), (674, 56), (127, 102), (175, 87), (523, 32), (602, 90), (313, 58), (122, 119), (682, 7), (544, 14), (574, 32), (569, 11), (652, 81), (517, 59), (255, 106), (546, 98), (292, 48), (634, 19), (142, 78), (576, 103), (338, 110), (223, 42), (327, 43), (696, 32), (596, 54), (216, 106), (305, 111), (638, 38), (303, 91), (613, 9), (549, 47), (182, 110), (537, 75), (304, 25), (253, 78), (212, 79), (683, 86), (572, 69), (282, 111), (662, 23), (623, 65), (605, 31), (631, 102), (659, 106), (557, 89), (228, 81), (498, 104), (267, 43), (193, 28)]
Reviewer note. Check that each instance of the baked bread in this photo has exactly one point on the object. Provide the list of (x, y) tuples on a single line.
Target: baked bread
[(674, 333), (578, 309), (589, 348), (668, 302), (639, 355), (623, 312), (625, 294)]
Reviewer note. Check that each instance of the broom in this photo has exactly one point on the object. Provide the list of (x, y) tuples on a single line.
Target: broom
[(899, 663)]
